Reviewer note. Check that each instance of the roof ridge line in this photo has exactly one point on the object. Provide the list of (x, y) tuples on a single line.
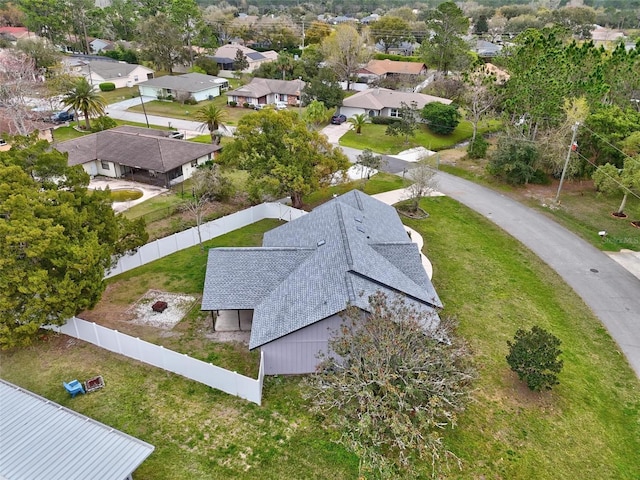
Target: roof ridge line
[(394, 289), (343, 233)]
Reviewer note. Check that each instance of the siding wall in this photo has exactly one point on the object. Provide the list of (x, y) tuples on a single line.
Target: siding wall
[(297, 353)]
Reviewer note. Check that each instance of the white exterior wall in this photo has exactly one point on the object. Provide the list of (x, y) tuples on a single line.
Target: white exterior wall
[(297, 353), (351, 111), (187, 169), (94, 168), (205, 94), (147, 91), (91, 168)]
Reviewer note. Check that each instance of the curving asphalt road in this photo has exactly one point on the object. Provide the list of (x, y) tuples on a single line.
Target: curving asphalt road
[(612, 292)]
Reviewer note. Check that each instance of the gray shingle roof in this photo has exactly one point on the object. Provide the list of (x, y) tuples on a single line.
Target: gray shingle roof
[(109, 70), (341, 252), (134, 147), (259, 87), (379, 98), (189, 82), (41, 440)]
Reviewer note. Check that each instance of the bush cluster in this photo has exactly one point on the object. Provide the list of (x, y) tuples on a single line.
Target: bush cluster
[(107, 86), (384, 120)]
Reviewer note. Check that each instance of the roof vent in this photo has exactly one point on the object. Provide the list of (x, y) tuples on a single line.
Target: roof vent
[(358, 219), (321, 242), (360, 229)]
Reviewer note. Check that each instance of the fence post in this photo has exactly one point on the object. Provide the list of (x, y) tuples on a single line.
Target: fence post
[(118, 342), (75, 327), (95, 331)]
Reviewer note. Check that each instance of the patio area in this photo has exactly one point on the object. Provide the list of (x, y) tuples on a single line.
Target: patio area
[(148, 191), (233, 320)]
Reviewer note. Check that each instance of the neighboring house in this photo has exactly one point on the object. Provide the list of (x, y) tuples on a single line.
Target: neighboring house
[(122, 74), (196, 85), (382, 102), (13, 34), (486, 49), (295, 287), (41, 439), (140, 154), (265, 91), (374, 17), (378, 69), (98, 45), (225, 55), (607, 37), (13, 125)]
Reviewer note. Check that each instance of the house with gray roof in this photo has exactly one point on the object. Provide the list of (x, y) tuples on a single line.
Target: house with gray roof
[(139, 154), (306, 273), (266, 91), (384, 102), (225, 56), (196, 85), (42, 440), (121, 74)]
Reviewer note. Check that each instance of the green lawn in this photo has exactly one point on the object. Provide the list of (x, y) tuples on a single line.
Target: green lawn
[(120, 94), (186, 112), (374, 138), (587, 427)]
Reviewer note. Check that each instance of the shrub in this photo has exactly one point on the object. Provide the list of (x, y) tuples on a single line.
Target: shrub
[(246, 104), (103, 123), (477, 148), (190, 101), (107, 86), (384, 120), (516, 161), (233, 104), (441, 119), (533, 355), (169, 97)]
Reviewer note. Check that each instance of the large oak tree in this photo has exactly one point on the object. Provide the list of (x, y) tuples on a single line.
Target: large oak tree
[(282, 156), (56, 240)]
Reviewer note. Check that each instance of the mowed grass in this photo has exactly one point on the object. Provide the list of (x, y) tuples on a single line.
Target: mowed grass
[(586, 213), (587, 427), (374, 138), (186, 112)]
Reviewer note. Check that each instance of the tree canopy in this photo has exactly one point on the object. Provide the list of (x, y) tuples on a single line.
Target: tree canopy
[(446, 48), (391, 385), (56, 240), (282, 156)]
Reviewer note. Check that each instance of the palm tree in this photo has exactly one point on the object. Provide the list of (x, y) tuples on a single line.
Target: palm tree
[(212, 118), (82, 98), (358, 121)]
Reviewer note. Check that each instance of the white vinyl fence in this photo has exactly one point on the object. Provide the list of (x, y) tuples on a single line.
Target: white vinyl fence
[(188, 238), (230, 382)]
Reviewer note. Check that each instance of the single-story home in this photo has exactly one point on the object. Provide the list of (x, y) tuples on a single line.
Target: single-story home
[(225, 56), (141, 154), (196, 85), (382, 102), (97, 45), (122, 74), (13, 34), (266, 91), (486, 49), (377, 69), (295, 287), (40, 439)]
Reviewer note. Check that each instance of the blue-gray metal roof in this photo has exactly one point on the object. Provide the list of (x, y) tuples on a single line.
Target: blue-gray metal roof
[(347, 249), (41, 440)]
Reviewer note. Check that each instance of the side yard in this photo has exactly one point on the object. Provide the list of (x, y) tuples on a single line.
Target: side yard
[(585, 428)]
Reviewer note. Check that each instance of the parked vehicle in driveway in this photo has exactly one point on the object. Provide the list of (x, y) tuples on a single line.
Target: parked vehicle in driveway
[(281, 106), (63, 116), (338, 119), (178, 135)]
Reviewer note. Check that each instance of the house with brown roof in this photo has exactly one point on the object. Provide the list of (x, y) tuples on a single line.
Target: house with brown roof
[(140, 154), (266, 91), (378, 69), (382, 102)]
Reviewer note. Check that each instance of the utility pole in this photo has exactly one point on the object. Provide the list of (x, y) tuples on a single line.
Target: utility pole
[(566, 162)]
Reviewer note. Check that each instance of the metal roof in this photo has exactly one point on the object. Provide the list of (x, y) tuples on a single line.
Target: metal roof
[(41, 440), (310, 268)]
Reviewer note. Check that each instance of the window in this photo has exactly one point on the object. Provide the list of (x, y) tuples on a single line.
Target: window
[(106, 165), (194, 163), (394, 113), (135, 78)]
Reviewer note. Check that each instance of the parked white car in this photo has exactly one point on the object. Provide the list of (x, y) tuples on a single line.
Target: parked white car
[(281, 106)]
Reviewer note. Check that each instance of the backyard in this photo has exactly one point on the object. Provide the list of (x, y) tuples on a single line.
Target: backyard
[(587, 427)]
